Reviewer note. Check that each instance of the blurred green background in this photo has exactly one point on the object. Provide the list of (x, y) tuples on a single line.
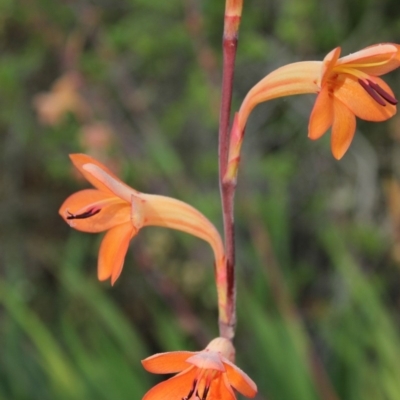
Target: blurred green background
[(135, 83)]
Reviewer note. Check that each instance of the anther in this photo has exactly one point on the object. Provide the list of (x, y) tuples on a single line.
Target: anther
[(205, 393), (86, 214), (377, 93), (385, 95), (191, 391)]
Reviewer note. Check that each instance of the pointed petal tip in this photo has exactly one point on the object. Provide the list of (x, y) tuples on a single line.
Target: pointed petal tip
[(240, 380), (311, 137), (333, 55), (102, 276), (116, 274), (343, 129), (113, 249), (338, 155), (321, 117), (80, 157), (339, 148)]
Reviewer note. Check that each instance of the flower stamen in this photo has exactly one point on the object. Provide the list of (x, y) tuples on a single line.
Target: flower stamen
[(190, 394), (205, 393), (194, 391), (377, 93), (87, 214), (390, 99)]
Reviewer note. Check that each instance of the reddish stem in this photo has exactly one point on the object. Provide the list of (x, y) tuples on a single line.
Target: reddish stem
[(230, 39)]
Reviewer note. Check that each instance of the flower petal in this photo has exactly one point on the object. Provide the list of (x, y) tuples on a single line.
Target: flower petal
[(175, 388), (328, 64), (321, 115), (221, 389), (374, 60), (354, 96), (113, 250), (343, 129), (240, 380), (175, 214), (99, 182), (291, 79), (167, 363), (113, 185), (171, 213), (111, 210)]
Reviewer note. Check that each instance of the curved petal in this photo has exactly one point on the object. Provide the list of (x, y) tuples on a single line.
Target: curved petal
[(167, 363), (321, 115), (221, 390), (80, 160), (107, 209), (343, 129), (240, 380), (115, 186), (291, 79), (113, 250), (175, 388), (175, 214), (354, 96), (374, 60), (328, 64)]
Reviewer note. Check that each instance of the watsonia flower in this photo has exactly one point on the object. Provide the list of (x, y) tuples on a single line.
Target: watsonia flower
[(122, 211), (209, 374), (346, 88)]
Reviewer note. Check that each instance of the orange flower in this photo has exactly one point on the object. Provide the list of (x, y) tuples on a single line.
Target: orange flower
[(208, 374), (347, 87), (122, 211)]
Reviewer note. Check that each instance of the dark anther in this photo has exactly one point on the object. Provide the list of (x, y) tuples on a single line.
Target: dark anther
[(205, 393), (385, 95), (191, 391), (372, 92), (86, 214), (377, 93)]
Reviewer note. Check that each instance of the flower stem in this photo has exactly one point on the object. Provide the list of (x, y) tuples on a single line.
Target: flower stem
[(233, 11)]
